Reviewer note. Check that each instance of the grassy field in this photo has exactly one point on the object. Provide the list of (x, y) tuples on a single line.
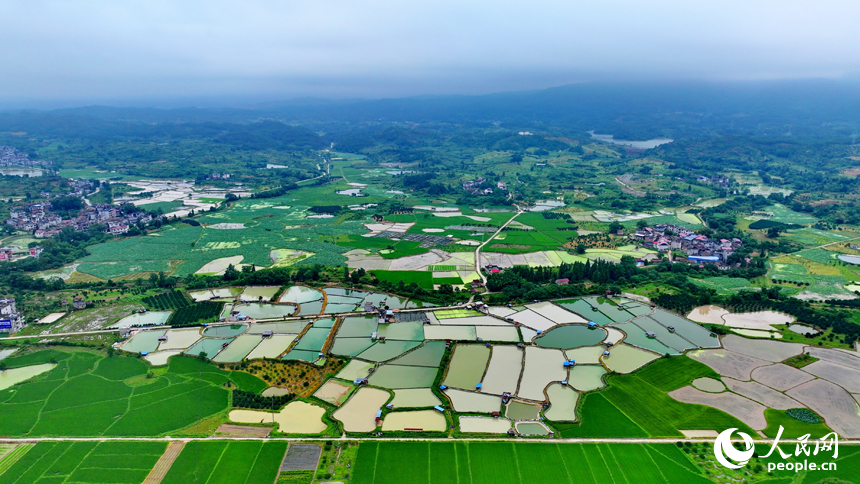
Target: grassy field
[(85, 462), (637, 405), (509, 462), (87, 394), (238, 462), (792, 428), (424, 279), (672, 373), (724, 285)]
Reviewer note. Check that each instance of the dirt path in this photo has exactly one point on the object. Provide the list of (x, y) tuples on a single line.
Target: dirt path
[(164, 463), (837, 242), (478, 249)]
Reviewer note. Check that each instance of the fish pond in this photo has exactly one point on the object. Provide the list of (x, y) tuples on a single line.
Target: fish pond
[(570, 336)]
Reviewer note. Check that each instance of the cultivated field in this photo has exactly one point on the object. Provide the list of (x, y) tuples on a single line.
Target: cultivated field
[(496, 462)]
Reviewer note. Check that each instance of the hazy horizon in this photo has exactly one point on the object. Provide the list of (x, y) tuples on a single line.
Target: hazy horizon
[(146, 53)]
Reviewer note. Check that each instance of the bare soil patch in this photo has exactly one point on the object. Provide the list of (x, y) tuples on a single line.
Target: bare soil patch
[(728, 363), (780, 377), (832, 402), (847, 378), (761, 348), (843, 358), (762, 394), (747, 411), (229, 430)]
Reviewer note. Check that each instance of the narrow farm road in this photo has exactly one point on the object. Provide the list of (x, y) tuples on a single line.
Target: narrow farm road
[(478, 249), (649, 440)]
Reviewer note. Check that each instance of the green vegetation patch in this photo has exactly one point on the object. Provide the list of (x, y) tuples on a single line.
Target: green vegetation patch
[(801, 360), (248, 462), (85, 462), (783, 214), (201, 312), (646, 408), (423, 279), (167, 300), (518, 462), (87, 394), (672, 373), (795, 422), (295, 477), (724, 285)]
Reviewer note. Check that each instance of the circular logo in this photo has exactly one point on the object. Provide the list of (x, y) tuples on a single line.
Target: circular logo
[(725, 452)]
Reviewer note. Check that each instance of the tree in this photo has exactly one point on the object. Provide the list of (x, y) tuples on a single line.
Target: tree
[(641, 224), (580, 248), (231, 274), (615, 227), (773, 232)]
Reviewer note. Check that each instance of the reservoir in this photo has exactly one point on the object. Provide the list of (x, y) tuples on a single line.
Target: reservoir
[(642, 145)]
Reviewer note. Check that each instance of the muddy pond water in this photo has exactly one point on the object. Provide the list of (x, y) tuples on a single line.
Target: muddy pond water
[(562, 402), (17, 375)]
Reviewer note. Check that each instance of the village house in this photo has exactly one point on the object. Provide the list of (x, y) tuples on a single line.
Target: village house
[(697, 247), (79, 302), (11, 321)]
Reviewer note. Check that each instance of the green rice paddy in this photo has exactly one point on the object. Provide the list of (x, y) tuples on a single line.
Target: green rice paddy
[(508, 462), (87, 394), (85, 462), (238, 462)]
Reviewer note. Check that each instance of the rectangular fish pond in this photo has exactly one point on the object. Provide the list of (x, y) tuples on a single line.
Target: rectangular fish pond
[(238, 349), (395, 376), (586, 310), (342, 291), (224, 331), (210, 346), (257, 293), (467, 366), (301, 295), (264, 311), (143, 341), (153, 318), (271, 347)]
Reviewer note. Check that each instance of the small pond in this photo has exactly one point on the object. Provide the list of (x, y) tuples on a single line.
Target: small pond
[(803, 329), (264, 311), (851, 259), (210, 346), (155, 318), (17, 375), (531, 428), (570, 336)]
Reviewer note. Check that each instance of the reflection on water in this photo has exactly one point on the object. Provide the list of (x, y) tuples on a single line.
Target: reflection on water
[(642, 145)]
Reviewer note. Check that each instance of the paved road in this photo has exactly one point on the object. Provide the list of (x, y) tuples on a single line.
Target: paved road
[(478, 249), (383, 439)]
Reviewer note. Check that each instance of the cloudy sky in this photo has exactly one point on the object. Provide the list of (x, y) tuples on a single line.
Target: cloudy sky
[(80, 51)]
